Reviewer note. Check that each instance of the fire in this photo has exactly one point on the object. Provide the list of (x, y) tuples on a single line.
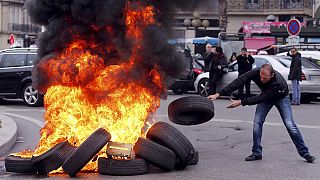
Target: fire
[(84, 93)]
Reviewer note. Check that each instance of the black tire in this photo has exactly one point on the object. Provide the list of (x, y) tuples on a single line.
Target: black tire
[(203, 87), (306, 99), (191, 110), (18, 164), (86, 151), (109, 166), (31, 97), (195, 159), (155, 154), (170, 137), (53, 158)]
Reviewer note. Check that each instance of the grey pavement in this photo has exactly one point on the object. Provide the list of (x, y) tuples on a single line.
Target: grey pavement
[(8, 134), (226, 140)]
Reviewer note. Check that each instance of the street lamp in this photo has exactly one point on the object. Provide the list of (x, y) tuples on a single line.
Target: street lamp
[(196, 22)]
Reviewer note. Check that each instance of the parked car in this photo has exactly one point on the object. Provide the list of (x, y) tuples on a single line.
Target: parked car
[(194, 68), (310, 88), (15, 75), (313, 56)]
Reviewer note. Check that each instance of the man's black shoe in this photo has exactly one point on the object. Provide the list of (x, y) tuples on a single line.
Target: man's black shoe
[(309, 158), (253, 157)]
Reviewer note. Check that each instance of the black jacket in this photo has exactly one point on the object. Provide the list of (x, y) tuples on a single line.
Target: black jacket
[(218, 60), (207, 59), (245, 63), (275, 89), (295, 68)]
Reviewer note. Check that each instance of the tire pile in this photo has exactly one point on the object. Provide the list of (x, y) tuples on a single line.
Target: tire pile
[(165, 147)]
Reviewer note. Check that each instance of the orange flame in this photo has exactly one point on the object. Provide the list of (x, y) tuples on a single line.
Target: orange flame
[(85, 94)]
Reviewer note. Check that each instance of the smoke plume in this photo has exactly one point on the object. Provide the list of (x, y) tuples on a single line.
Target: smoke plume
[(66, 19)]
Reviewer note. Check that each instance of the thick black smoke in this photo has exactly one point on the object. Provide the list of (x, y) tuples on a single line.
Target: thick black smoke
[(66, 19)]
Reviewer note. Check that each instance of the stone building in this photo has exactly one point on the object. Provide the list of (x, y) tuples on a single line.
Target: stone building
[(15, 20), (258, 11)]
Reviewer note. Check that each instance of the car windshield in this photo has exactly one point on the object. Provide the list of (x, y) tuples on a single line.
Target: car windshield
[(286, 61)]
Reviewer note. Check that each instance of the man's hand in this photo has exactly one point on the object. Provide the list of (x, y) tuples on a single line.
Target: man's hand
[(219, 67), (213, 97), (234, 103)]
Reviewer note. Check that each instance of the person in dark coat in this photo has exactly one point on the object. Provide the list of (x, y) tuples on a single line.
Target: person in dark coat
[(208, 55), (274, 92), (295, 74), (218, 62), (245, 62)]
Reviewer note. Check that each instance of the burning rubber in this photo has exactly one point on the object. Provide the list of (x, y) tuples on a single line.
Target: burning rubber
[(166, 148)]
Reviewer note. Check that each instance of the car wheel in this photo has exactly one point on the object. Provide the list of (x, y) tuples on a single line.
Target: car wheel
[(203, 87), (307, 99), (31, 97)]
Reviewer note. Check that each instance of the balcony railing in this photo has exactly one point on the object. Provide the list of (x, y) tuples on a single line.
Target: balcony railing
[(248, 5), (26, 28)]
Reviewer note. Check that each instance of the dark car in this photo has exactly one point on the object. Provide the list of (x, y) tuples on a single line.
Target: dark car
[(184, 84), (15, 75)]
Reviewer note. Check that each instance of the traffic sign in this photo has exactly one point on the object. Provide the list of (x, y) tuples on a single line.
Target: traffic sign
[(293, 40), (293, 27)]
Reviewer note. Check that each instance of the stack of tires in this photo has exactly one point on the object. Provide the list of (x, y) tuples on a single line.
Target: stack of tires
[(164, 147)]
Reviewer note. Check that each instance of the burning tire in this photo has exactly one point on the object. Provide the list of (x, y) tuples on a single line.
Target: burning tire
[(86, 151), (155, 154), (168, 136), (18, 164), (53, 158), (195, 159), (109, 166), (191, 110)]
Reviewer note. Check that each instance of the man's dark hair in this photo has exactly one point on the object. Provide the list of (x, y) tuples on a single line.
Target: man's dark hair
[(244, 49), (295, 49), (219, 49), (267, 67)]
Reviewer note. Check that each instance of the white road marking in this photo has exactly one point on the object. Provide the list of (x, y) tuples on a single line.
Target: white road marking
[(250, 122), (37, 122)]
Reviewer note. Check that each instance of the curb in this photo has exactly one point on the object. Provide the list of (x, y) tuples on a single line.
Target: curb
[(8, 134)]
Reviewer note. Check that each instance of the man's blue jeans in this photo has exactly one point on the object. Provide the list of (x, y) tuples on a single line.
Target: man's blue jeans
[(284, 107), (296, 95)]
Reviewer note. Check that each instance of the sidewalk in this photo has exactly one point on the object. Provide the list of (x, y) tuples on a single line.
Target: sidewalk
[(8, 134)]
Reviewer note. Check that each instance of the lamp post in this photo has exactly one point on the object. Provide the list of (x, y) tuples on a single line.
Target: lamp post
[(196, 22)]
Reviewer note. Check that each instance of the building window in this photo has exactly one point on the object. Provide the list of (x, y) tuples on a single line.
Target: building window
[(252, 1), (252, 4)]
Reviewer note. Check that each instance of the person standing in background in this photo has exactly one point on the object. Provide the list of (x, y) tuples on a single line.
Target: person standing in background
[(233, 57), (245, 62), (219, 61), (208, 55), (295, 74)]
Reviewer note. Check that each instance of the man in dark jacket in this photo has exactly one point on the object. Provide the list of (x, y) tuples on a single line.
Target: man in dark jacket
[(295, 76), (218, 62), (208, 55), (274, 92), (245, 62)]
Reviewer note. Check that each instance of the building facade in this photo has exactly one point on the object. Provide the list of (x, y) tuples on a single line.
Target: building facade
[(207, 10), (15, 20), (258, 11)]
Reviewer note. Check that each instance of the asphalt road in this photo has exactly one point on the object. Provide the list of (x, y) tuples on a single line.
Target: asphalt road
[(222, 143)]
